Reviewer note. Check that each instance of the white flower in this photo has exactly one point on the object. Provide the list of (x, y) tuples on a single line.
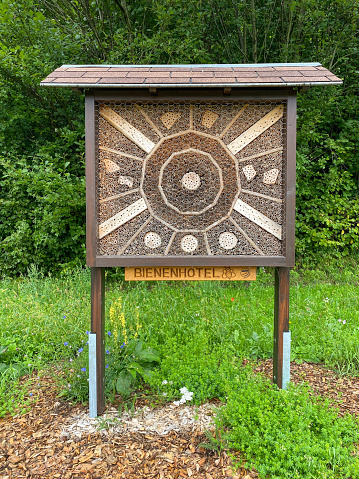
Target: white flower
[(164, 394), (186, 396), (164, 382)]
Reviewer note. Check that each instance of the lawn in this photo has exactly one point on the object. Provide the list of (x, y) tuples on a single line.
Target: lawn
[(200, 331)]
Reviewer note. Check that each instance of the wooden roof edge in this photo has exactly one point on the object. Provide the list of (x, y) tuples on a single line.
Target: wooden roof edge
[(200, 65), (188, 85)]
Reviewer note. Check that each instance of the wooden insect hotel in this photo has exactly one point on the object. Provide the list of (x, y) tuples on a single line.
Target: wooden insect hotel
[(191, 168)]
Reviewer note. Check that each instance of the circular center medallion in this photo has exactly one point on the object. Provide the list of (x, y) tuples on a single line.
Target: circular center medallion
[(191, 181)]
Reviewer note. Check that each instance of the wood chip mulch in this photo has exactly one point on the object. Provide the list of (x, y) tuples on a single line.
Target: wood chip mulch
[(31, 445)]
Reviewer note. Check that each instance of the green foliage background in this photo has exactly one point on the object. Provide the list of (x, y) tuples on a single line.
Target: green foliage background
[(42, 197)]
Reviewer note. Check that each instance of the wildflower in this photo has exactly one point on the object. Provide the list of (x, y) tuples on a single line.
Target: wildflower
[(326, 300), (83, 370), (164, 394), (164, 382), (344, 322), (66, 343), (87, 343), (78, 375), (122, 345), (106, 366), (29, 364), (186, 396), (71, 360), (339, 320), (80, 350), (69, 386), (107, 351), (31, 394), (123, 324), (109, 333), (232, 299), (87, 332), (64, 317)]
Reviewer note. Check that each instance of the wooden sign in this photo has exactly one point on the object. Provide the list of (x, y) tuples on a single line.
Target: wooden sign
[(195, 273)]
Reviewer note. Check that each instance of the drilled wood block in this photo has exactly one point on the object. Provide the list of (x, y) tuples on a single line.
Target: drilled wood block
[(209, 118), (258, 218), (122, 217), (127, 129), (255, 130), (270, 177), (249, 172), (169, 119)]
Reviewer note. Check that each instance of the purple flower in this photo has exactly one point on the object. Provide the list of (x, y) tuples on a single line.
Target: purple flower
[(66, 343), (87, 332), (122, 345), (80, 350), (344, 321), (87, 343), (64, 317), (109, 333), (83, 370), (31, 394), (106, 366), (107, 351)]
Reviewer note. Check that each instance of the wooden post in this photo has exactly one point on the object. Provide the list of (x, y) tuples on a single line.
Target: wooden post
[(281, 321), (98, 327)]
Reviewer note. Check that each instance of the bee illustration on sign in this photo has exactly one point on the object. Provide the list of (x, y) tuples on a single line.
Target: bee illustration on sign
[(228, 273)]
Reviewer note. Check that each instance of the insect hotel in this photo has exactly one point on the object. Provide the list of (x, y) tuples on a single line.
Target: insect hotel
[(190, 174)]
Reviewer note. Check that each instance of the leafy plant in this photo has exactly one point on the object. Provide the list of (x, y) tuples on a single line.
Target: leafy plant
[(132, 362), (15, 370)]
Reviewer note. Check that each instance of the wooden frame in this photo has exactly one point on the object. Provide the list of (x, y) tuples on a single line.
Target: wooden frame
[(282, 94), (281, 321), (98, 263)]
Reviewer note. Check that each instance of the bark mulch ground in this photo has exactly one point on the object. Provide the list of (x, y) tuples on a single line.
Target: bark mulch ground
[(31, 445)]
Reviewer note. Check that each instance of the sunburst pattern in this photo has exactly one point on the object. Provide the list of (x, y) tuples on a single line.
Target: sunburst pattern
[(190, 179)]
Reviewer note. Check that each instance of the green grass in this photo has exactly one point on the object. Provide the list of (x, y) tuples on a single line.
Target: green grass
[(201, 330)]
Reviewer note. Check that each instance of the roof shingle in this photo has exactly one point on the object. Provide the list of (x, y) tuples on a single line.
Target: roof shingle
[(256, 75)]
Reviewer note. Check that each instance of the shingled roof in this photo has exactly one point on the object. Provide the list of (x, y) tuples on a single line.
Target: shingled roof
[(253, 75)]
